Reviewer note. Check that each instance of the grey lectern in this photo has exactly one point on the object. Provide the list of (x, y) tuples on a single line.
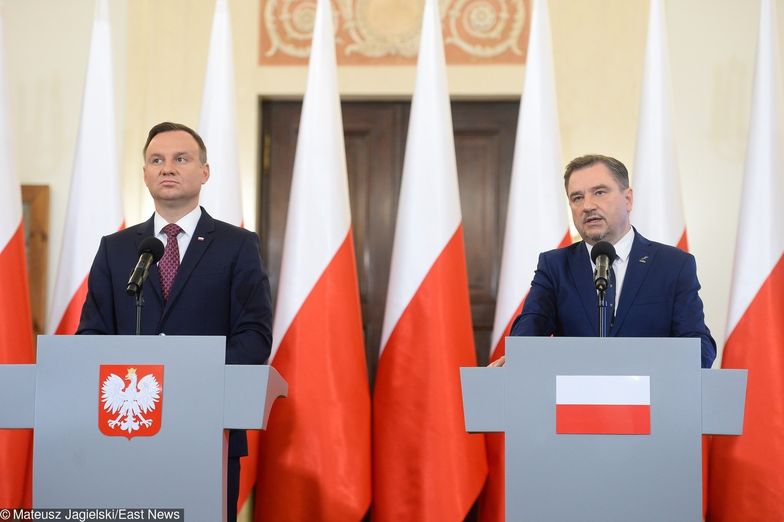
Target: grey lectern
[(603, 429), (134, 422)]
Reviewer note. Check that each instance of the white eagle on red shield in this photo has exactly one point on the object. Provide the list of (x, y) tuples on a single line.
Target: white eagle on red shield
[(130, 410)]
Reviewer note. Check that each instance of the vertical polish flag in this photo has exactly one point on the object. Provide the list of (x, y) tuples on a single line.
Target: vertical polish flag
[(658, 205), (603, 404), (746, 481), (425, 465), (16, 326), (222, 196), (94, 203), (535, 190), (218, 124), (315, 455)]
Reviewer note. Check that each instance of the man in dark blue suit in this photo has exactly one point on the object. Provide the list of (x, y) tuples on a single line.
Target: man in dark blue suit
[(656, 289), (210, 281)]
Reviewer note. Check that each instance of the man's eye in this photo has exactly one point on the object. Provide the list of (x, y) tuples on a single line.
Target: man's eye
[(600, 192), (182, 159), (155, 161), (576, 199)]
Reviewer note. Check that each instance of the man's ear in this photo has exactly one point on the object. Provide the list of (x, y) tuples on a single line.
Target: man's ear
[(629, 199), (205, 173)]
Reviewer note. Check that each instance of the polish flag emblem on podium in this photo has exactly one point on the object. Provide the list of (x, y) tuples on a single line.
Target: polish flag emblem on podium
[(603, 404), (130, 406)]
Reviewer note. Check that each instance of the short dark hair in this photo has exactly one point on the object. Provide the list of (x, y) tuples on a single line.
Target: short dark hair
[(617, 168), (168, 126)]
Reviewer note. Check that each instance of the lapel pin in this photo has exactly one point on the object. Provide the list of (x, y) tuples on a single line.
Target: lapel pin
[(199, 238), (644, 259)]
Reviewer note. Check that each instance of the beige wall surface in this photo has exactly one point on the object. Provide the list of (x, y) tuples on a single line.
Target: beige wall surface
[(160, 49)]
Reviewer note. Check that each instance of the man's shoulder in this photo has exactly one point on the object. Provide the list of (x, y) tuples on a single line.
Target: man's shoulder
[(128, 234), (563, 252), (662, 250), (225, 229)]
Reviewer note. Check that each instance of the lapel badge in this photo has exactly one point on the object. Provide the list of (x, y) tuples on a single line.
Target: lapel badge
[(644, 259), (199, 238)]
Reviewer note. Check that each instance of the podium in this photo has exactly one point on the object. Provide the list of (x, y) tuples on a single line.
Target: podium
[(603, 429), (103, 440)]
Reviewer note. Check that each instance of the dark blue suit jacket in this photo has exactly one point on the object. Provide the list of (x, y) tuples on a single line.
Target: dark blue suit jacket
[(659, 297), (221, 288)]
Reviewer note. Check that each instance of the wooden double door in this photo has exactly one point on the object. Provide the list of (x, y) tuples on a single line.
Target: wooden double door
[(375, 137)]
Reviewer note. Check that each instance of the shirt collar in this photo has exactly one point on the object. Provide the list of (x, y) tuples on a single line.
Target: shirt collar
[(187, 222), (623, 247)]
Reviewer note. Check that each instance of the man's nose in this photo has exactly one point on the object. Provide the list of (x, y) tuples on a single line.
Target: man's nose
[(167, 167)]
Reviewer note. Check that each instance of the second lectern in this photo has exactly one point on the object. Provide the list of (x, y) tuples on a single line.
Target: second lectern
[(603, 429)]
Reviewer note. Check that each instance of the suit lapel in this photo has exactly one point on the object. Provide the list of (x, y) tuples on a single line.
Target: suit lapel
[(202, 237), (580, 268), (636, 272), (154, 278)]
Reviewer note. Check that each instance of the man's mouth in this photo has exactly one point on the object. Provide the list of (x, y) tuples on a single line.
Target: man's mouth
[(592, 219)]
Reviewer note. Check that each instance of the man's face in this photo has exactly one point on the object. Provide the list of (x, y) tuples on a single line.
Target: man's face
[(600, 207), (173, 171)]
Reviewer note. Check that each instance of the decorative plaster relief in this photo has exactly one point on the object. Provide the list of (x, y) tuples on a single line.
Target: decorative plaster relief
[(386, 32)]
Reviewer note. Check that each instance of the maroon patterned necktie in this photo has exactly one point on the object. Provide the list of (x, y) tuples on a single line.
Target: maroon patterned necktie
[(170, 262)]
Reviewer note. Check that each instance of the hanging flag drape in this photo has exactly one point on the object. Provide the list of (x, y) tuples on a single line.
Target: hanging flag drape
[(658, 205), (536, 189), (315, 455), (218, 124), (16, 327), (425, 465), (94, 203), (746, 481)]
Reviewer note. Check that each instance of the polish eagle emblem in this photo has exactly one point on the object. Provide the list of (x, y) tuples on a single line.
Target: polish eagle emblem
[(130, 406)]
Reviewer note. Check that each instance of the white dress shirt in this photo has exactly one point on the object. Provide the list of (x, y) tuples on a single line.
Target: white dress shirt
[(187, 223), (622, 250)]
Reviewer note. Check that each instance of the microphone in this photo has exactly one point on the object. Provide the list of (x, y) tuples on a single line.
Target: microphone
[(150, 251), (603, 255)]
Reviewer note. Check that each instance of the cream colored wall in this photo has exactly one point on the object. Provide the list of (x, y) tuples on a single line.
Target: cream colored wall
[(160, 54)]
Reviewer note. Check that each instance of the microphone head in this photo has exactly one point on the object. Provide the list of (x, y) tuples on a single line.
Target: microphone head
[(603, 248), (152, 245)]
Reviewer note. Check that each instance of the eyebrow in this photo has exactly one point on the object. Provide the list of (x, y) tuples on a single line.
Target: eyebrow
[(159, 155), (590, 189)]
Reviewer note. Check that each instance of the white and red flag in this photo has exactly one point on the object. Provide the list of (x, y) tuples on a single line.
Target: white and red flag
[(16, 326), (658, 205), (536, 190), (315, 455), (94, 203), (603, 404), (218, 125), (222, 196), (746, 481), (425, 465)]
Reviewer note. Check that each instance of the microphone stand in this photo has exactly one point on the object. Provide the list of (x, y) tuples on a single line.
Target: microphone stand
[(139, 303), (602, 314)]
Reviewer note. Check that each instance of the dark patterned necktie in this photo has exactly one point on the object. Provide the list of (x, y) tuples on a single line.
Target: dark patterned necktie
[(170, 262)]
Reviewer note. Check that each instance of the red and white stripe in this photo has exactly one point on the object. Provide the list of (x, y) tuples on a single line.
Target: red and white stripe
[(425, 465), (94, 203), (222, 196), (746, 481), (658, 204), (603, 404), (536, 190), (315, 455), (16, 337)]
